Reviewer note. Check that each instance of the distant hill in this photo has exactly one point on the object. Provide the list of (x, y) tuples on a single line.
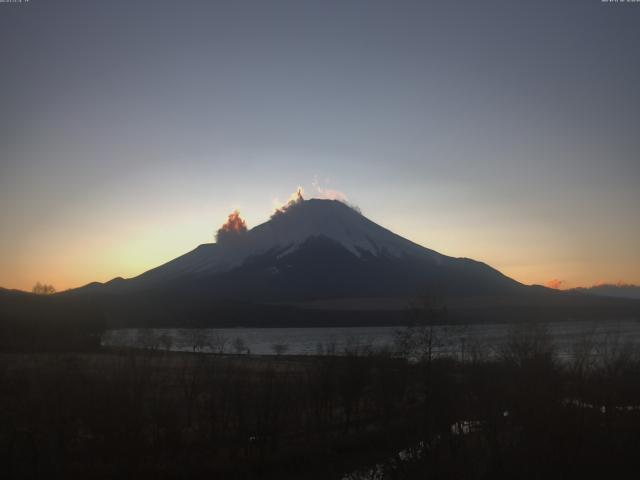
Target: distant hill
[(31, 322), (612, 290)]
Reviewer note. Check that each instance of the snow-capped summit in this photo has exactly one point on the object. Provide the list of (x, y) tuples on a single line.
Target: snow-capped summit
[(338, 222), (317, 249), (286, 231)]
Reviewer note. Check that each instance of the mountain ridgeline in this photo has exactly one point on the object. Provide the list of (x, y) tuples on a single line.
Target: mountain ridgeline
[(317, 249), (322, 263)]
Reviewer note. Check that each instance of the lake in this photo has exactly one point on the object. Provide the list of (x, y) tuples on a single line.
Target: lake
[(312, 341)]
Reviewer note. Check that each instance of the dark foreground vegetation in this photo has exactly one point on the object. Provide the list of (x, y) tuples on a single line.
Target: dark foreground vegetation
[(51, 323), (149, 413)]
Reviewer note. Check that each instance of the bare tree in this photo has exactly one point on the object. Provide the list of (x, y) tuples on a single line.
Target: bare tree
[(198, 339), (355, 346), (420, 342), (423, 339), (583, 354), (43, 289), (239, 345), (218, 342), (528, 343), (147, 339), (280, 348), (166, 341), (191, 378)]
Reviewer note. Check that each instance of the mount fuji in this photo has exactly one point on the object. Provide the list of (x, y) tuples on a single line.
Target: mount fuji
[(316, 249), (315, 261)]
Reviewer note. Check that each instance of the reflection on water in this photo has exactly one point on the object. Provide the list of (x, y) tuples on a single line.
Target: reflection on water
[(313, 341)]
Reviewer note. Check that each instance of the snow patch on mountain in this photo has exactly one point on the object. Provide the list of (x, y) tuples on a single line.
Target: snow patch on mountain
[(284, 233)]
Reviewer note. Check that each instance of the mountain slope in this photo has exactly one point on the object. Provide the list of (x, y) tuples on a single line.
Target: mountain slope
[(317, 249), (321, 263)]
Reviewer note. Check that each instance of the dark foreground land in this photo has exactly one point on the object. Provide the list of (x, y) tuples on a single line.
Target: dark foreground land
[(156, 414)]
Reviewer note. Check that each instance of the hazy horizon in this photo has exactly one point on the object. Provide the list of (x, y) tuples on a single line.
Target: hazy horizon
[(500, 132)]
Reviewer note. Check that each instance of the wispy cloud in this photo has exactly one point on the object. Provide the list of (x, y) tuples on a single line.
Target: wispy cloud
[(296, 198), (328, 193)]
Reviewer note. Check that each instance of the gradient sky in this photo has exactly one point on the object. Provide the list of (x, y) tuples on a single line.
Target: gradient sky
[(504, 131)]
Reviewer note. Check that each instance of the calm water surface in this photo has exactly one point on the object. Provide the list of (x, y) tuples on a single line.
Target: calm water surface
[(311, 341)]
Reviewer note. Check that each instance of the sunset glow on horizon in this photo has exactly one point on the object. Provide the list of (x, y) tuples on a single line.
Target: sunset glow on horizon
[(127, 142), (141, 245)]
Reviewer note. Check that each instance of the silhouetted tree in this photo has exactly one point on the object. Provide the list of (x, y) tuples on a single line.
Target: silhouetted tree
[(218, 342), (239, 345), (198, 339), (43, 289), (280, 348)]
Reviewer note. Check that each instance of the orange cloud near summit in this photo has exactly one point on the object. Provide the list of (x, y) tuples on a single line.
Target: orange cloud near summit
[(295, 199), (556, 283), (235, 224)]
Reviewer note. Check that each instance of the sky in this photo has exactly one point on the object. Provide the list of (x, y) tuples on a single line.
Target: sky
[(507, 132)]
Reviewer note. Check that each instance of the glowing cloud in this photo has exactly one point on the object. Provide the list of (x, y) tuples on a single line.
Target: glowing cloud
[(556, 283), (296, 198), (328, 193), (233, 227)]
